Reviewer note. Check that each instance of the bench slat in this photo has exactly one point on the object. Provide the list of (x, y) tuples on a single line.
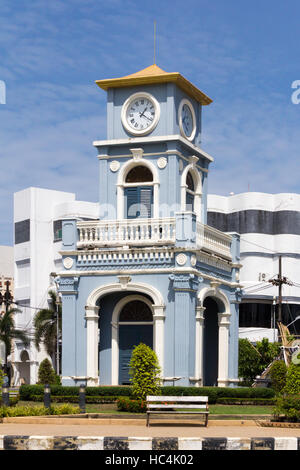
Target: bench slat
[(177, 399), (177, 405), (181, 406), (179, 412)]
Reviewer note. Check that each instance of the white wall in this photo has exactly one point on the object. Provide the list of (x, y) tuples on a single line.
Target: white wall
[(258, 251), (35, 259), (6, 261)]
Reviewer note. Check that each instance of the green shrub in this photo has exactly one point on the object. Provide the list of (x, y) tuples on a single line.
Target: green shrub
[(287, 409), (37, 410), (36, 392), (144, 371), (75, 399), (46, 374), (1, 378), (64, 409), (29, 391), (254, 360), (12, 401), (278, 373), (292, 379), (132, 406)]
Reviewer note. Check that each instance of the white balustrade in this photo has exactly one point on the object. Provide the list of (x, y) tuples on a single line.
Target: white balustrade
[(143, 232), (213, 240), (128, 232)]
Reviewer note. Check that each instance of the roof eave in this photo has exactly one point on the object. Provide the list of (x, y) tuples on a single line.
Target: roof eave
[(177, 78)]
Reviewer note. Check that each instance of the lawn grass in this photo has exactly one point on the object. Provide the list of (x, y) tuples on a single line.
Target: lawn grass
[(239, 410)]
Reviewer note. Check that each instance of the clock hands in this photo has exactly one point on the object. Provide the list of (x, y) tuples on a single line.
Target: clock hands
[(144, 115)]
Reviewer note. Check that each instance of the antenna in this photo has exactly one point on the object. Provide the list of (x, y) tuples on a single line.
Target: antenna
[(154, 39)]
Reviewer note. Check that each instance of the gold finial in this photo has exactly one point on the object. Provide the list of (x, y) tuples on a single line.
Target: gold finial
[(154, 40)]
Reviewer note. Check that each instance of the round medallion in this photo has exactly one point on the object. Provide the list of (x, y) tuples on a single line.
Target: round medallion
[(114, 166), (68, 263), (140, 113), (187, 119), (181, 259), (162, 162)]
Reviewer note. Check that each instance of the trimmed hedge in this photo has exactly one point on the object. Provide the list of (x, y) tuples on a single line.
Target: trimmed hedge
[(27, 392), (246, 401), (74, 399)]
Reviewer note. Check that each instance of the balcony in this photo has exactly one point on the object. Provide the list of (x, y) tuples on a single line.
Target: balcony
[(131, 232), (154, 232)]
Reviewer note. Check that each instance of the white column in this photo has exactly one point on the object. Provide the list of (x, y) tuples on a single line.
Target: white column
[(114, 353), (199, 346), (224, 323), (156, 200), (158, 335), (92, 317), (120, 202)]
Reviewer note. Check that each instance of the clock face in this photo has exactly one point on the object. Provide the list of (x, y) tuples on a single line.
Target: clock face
[(187, 119), (140, 113)]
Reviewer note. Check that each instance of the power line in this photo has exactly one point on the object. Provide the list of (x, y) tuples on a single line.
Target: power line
[(260, 246)]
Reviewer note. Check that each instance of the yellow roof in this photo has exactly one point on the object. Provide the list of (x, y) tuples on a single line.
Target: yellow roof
[(153, 75)]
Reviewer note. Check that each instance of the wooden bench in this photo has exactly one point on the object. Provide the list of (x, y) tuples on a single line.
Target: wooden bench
[(182, 405)]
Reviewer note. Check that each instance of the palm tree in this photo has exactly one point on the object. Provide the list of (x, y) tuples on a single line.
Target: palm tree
[(47, 324), (8, 332)]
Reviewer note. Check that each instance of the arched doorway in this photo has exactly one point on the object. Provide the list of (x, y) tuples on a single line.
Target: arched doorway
[(135, 327), (102, 313), (210, 343)]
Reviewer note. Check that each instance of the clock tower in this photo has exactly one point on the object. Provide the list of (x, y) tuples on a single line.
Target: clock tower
[(150, 269)]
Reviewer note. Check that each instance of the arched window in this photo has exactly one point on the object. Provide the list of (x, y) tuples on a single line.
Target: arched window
[(139, 174), (136, 311), (139, 192), (190, 192)]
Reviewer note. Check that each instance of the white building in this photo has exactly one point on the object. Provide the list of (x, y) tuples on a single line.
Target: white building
[(269, 225), (37, 221)]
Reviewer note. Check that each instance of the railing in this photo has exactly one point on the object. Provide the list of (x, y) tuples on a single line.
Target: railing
[(213, 240), (128, 232), (143, 232)]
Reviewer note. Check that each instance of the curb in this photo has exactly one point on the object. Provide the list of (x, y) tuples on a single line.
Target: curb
[(115, 421), (146, 443)]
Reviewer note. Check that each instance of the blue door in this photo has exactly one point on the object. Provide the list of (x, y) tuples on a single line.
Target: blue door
[(129, 337)]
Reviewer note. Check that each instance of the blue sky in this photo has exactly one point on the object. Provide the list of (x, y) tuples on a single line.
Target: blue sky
[(244, 55)]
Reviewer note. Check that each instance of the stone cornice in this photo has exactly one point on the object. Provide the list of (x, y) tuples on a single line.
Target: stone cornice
[(155, 139), (154, 270)]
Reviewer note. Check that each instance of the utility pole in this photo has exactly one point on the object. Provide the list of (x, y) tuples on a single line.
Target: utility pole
[(6, 299), (279, 281)]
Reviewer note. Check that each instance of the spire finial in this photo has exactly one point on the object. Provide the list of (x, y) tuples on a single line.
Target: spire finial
[(154, 40)]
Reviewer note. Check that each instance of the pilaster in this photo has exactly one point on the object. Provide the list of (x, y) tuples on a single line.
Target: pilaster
[(224, 324), (185, 289), (92, 318)]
